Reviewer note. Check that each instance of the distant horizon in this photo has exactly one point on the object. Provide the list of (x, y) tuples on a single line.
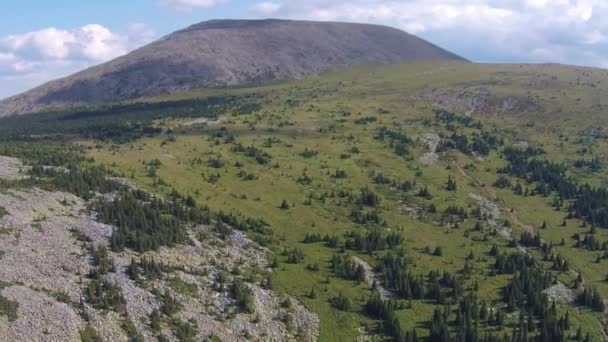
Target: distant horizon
[(50, 41)]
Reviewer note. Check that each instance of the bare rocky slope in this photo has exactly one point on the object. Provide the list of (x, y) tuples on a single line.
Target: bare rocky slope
[(46, 244), (222, 53)]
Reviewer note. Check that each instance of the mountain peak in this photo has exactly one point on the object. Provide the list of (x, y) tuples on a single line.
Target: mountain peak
[(224, 53), (233, 24)]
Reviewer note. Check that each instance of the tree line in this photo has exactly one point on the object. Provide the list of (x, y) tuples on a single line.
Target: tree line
[(589, 203)]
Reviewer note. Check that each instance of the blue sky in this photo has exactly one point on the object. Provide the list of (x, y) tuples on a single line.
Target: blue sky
[(30, 15), (42, 40)]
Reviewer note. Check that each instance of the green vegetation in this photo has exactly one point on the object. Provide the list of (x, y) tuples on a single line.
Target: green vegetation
[(88, 334), (142, 226), (345, 267), (243, 296), (145, 267), (131, 331), (77, 180), (104, 294), (333, 167), (8, 308), (120, 122), (170, 305), (102, 261), (183, 288), (341, 302), (184, 331)]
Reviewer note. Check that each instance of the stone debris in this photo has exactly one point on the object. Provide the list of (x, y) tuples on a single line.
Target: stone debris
[(491, 211), (94, 231), (39, 318), (11, 168), (270, 322), (140, 302), (205, 121), (372, 278), (561, 294), (432, 140), (39, 248), (482, 99), (412, 210), (215, 312), (107, 325), (45, 239)]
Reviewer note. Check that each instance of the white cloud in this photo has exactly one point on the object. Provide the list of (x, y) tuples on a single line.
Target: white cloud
[(537, 4), (266, 8), (566, 31), (97, 43), (91, 42), (47, 43), (34, 57), (188, 5)]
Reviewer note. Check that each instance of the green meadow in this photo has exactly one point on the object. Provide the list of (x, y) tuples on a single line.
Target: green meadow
[(312, 146)]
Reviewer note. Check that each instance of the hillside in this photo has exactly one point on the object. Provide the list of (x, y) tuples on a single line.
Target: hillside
[(414, 202), (227, 53)]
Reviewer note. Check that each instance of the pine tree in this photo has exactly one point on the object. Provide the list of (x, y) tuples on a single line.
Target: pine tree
[(284, 205), (451, 184)]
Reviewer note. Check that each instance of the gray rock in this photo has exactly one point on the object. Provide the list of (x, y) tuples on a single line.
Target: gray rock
[(39, 318), (11, 168), (45, 253)]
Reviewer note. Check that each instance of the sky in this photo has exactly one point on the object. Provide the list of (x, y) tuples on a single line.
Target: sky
[(41, 40)]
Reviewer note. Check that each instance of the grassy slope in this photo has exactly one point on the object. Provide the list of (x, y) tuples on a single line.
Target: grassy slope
[(385, 93)]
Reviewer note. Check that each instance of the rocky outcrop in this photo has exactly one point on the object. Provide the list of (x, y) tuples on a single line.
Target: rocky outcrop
[(481, 99), (46, 239), (11, 168)]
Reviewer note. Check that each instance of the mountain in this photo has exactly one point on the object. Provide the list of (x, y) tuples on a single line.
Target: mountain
[(228, 53)]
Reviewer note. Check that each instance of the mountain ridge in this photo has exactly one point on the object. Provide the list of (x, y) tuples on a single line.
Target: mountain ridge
[(226, 53)]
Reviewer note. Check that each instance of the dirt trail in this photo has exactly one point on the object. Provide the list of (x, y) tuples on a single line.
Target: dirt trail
[(515, 219)]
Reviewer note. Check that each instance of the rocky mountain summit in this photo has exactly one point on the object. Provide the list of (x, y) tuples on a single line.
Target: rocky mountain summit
[(228, 53)]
